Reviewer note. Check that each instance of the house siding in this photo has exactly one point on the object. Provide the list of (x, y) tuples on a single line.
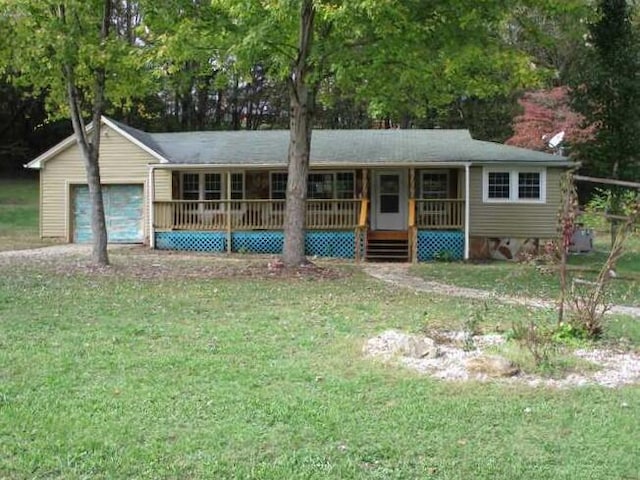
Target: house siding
[(517, 220), (120, 162), (162, 184)]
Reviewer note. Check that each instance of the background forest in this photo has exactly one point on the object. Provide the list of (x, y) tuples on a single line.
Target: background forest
[(504, 70)]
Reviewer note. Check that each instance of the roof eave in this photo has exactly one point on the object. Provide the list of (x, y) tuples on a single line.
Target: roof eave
[(342, 165), (36, 163), (135, 141), (533, 163)]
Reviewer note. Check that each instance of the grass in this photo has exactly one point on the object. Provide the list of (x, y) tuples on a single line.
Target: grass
[(528, 279), (148, 372), (19, 215), (119, 377)]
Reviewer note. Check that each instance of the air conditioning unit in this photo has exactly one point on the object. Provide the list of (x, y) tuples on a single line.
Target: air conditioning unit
[(582, 240)]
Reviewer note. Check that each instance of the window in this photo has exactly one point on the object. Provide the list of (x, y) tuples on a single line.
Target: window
[(514, 185), (325, 185), (529, 185), (434, 185), (499, 185), (211, 186), (237, 190), (345, 185), (190, 186), (278, 185), (320, 186)]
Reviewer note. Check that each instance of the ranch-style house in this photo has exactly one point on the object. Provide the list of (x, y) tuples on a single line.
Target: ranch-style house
[(409, 195)]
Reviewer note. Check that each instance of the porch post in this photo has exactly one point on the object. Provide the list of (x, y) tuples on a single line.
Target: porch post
[(412, 183), (413, 241), (365, 183), (466, 211), (228, 207), (360, 230), (151, 193)]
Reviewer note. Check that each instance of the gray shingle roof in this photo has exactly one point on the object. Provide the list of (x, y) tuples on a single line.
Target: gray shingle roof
[(336, 148), (141, 136)]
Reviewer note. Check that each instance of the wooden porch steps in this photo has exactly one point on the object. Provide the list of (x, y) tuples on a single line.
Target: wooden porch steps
[(387, 246)]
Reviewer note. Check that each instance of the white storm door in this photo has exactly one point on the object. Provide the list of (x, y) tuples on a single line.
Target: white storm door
[(390, 198)]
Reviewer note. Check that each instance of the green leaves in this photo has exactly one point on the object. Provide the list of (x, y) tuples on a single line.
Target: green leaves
[(45, 36), (606, 91)]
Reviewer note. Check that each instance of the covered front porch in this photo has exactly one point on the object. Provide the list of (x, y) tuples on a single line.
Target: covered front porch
[(420, 214)]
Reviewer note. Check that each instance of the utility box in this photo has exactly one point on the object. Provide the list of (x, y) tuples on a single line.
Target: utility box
[(581, 240)]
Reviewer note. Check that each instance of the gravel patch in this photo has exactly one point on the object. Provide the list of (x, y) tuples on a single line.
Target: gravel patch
[(616, 368), (55, 251)]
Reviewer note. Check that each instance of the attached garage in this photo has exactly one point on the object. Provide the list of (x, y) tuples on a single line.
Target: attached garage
[(123, 209), (126, 162)]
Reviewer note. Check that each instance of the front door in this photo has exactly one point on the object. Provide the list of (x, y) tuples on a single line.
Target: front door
[(390, 200)]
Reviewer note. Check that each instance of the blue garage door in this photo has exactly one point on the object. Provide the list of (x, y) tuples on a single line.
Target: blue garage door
[(123, 213)]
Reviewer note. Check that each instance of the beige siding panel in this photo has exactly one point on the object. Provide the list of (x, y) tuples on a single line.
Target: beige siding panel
[(120, 162), (513, 219), (163, 193), (162, 180)]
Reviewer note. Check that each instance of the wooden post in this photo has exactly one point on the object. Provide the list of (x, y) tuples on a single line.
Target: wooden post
[(228, 206), (362, 221), (365, 183), (412, 183), (413, 244)]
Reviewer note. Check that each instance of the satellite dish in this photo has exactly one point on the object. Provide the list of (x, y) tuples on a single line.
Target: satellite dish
[(556, 140)]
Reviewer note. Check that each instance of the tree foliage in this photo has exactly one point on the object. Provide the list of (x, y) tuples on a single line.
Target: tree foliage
[(551, 33), (76, 54), (402, 57), (546, 113), (276, 63), (607, 93)]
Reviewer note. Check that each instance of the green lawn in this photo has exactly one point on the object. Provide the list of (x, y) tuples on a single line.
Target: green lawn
[(148, 372), (19, 215), (206, 367), (529, 279)]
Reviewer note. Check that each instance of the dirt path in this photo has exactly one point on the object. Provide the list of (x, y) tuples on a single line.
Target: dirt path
[(47, 252), (398, 274)]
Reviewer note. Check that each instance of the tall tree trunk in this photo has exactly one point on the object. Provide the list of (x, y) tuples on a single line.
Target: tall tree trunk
[(90, 146), (302, 100)]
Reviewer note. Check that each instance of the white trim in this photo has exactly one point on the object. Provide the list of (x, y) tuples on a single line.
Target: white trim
[(66, 143), (342, 166), (52, 152), (151, 193), (514, 172), (134, 140), (467, 212), (68, 209)]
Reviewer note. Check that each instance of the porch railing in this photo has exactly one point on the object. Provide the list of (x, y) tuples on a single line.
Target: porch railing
[(445, 214), (251, 214)]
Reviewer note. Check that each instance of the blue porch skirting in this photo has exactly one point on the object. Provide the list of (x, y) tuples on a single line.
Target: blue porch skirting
[(435, 244), (432, 244), (338, 244)]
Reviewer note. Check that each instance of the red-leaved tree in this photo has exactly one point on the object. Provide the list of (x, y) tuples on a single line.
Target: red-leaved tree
[(545, 114)]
